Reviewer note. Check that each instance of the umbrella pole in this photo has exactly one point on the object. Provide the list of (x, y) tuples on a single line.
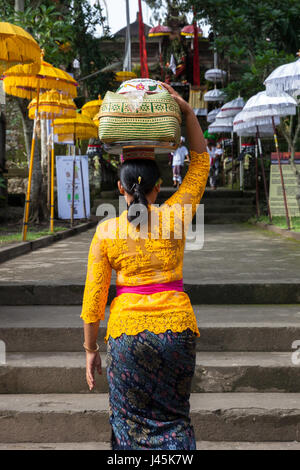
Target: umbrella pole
[(263, 173), (232, 160), (256, 179), (83, 193), (281, 176), (241, 167), (81, 176), (224, 172), (27, 200), (73, 184), (52, 181), (49, 168)]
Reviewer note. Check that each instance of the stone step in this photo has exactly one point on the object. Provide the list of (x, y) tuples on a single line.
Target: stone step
[(227, 218), (241, 417), (228, 208), (64, 372), (215, 205), (210, 209), (200, 445), (220, 193), (210, 202), (232, 209), (218, 215), (168, 191), (225, 293), (49, 328)]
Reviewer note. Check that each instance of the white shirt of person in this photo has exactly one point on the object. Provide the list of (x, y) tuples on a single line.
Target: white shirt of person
[(219, 152), (211, 152), (179, 155)]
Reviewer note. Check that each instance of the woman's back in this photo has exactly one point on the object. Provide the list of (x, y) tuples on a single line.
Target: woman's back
[(152, 329), (152, 254)]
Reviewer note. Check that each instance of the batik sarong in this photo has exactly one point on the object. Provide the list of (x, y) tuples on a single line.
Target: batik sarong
[(150, 379)]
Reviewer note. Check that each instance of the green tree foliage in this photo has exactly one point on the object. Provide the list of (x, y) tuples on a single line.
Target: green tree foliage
[(173, 11), (67, 30), (90, 49), (258, 36), (46, 25)]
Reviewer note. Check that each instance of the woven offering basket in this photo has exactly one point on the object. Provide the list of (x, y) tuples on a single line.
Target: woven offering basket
[(132, 118)]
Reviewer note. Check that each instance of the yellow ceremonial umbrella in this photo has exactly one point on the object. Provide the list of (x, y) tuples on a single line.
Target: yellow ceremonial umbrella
[(82, 128), (124, 75), (17, 46), (52, 105), (19, 82), (96, 120), (90, 108)]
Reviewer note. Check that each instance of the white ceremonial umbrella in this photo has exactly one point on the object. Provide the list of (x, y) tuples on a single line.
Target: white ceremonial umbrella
[(214, 95), (244, 120), (232, 108), (224, 125), (265, 130), (211, 116), (259, 127), (221, 125), (258, 131), (262, 105), (284, 78), (215, 75), (226, 114)]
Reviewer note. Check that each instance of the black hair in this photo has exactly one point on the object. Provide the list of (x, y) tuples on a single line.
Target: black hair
[(138, 177)]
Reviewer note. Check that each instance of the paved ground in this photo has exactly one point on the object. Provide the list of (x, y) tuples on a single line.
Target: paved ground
[(231, 253), (61, 316), (201, 445)]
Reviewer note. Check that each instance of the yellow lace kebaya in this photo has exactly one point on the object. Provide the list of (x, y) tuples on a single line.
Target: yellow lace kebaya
[(142, 260)]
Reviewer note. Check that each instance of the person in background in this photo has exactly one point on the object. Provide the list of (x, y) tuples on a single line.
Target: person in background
[(217, 163), (219, 151), (214, 164), (177, 163)]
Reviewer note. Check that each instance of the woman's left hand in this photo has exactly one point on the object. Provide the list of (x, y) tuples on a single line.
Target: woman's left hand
[(93, 361), (184, 106)]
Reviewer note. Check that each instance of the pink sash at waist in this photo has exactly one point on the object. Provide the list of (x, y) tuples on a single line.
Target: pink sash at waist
[(149, 289)]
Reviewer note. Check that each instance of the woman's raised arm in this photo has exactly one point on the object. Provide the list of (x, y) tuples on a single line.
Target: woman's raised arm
[(194, 132), (194, 182)]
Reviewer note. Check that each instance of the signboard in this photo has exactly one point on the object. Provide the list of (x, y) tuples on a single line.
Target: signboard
[(64, 177), (276, 195), (2, 94)]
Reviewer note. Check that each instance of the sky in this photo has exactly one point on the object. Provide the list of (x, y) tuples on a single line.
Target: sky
[(117, 13)]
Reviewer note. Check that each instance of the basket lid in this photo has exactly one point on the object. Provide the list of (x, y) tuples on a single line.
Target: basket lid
[(141, 85)]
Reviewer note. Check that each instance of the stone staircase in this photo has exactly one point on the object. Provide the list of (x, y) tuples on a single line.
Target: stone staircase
[(221, 206), (245, 392)]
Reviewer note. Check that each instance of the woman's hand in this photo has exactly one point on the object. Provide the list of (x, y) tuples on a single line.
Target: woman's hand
[(93, 361), (184, 106), (194, 133)]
